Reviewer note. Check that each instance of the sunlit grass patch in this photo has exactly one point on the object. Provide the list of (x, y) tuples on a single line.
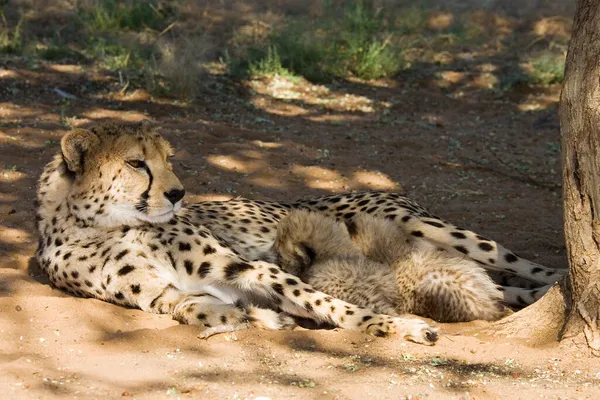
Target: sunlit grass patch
[(545, 69), (11, 40), (539, 69), (270, 65), (113, 55)]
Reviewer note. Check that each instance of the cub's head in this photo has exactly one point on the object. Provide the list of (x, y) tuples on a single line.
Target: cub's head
[(120, 175)]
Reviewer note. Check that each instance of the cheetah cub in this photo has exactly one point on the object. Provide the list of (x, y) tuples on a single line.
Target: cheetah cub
[(372, 263)]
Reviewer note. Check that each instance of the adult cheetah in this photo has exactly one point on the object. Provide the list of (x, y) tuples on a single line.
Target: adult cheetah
[(112, 227)]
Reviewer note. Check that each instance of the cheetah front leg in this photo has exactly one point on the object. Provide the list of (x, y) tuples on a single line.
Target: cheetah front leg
[(216, 316), (299, 298), (211, 314)]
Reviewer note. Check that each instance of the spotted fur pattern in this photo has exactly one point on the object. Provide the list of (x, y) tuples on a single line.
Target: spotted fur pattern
[(112, 227), (250, 227), (371, 263)]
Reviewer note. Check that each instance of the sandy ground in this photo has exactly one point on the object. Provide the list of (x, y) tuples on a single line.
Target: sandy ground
[(483, 160)]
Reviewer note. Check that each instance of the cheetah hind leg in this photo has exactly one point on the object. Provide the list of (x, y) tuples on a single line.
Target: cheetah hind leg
[(518, 297), (504, 278), (490, 254), (215, 316), (450, 289)]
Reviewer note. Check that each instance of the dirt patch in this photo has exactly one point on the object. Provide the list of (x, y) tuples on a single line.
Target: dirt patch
[(483, 159)]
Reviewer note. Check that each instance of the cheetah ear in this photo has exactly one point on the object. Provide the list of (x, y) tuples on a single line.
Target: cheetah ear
[(75, 145)]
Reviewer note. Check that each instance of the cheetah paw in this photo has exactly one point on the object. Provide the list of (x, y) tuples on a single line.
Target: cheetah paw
[(269, 319), (208, 332), (416, 330), (286, 322)]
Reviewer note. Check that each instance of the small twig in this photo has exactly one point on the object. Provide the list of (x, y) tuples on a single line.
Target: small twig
[(156, 10), (167, 29), (123, 89)]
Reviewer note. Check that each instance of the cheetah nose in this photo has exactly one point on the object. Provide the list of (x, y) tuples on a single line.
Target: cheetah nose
[(174, 195)]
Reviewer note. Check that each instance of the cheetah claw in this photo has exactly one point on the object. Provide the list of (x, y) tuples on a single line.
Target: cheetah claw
[(208, 332), (416, 330)]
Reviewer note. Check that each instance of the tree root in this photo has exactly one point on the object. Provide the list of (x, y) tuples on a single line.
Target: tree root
[(539, 324)]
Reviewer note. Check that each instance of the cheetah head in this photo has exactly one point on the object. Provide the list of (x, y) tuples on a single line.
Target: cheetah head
[(120, 175)]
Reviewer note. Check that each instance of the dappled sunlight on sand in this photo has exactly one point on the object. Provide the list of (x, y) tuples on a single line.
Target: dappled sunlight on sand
[(557, 26), (66, 68), (296, 96), (482, 76), (14, 236), (267, 181), (266, 145), (125, 116), (7, 175), (7, 198), (15, 111), (373, 180), (283, 109), (232, 163), (319, 177), (333, 118), (539, 102), (260, 169), (8, 74)]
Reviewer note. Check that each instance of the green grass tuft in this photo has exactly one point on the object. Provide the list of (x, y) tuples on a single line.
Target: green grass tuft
[(358, 44), (546, 69), (113, 55), (270, 65), (11, 40), (60, 53), (134, 15)]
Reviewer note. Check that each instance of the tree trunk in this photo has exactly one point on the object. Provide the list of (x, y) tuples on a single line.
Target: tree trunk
[(580, 140), (572, 310)]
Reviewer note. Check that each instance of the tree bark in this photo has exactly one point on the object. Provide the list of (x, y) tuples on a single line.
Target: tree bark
[(580, 140), (572, 309)]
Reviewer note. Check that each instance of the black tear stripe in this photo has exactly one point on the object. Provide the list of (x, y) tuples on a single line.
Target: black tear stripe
[(82, 154), (143, 204)]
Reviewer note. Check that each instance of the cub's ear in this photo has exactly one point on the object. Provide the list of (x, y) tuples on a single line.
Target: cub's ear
[(75, 145)]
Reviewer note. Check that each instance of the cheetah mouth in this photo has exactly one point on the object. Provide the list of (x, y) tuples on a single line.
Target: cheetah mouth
[(157, 217)]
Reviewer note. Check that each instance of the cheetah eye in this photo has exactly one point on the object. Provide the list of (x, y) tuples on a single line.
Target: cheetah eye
[(137, 164)]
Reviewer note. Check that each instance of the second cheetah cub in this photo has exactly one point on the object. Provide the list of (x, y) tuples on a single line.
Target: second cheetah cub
[(373, 264)]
